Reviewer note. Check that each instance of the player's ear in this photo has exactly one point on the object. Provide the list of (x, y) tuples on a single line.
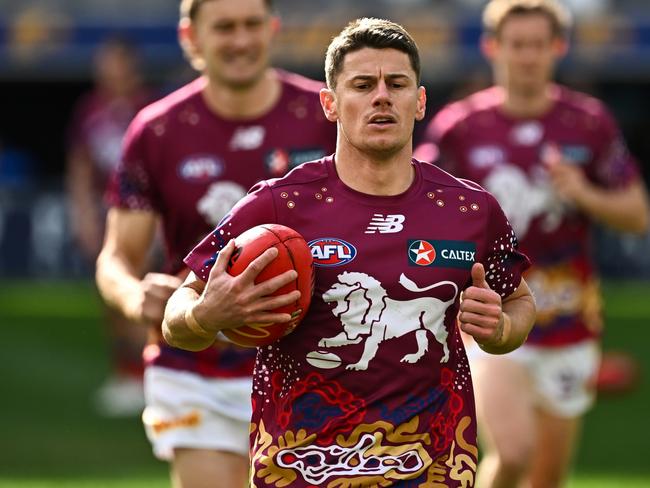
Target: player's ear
[(328, 102), (276, 24), (561, 47), (421, 103), (185, 33), (187, 40), (488, 46)]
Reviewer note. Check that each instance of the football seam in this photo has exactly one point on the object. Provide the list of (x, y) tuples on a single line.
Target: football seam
[(293, 263), (291, 256)]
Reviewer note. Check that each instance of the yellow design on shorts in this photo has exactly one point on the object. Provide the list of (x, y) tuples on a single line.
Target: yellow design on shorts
[(159, 426), (560, 291)]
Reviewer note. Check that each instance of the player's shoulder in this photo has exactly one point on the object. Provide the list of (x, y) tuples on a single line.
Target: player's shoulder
[(581, 106), (446, 187), (303, 174), (441, 179), (297, 83), (579, 101), (171, 104), (309, 174), (460, 112)]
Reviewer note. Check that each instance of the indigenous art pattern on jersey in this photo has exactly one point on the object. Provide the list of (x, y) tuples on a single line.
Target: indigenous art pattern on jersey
[(474, 139), (373, 387)]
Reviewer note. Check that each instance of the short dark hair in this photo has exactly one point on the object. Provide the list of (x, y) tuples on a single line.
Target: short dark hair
[(190, 8), (496, 12), (371, 33)]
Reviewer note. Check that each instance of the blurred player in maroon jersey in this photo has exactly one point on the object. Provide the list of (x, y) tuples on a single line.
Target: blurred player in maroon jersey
[(187, 159), (555, 160), (95, 138), (373, 387)]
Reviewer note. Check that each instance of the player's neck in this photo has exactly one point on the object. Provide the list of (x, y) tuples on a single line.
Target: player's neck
[(243, 103), (372, 175), (520, 104), (118, 91)]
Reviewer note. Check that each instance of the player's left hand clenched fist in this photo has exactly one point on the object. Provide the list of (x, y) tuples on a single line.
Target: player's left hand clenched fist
[(568, 180), (481, 313)]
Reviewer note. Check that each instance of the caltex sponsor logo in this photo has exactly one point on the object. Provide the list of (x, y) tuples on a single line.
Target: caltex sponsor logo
[(422, 253), (444, 254)]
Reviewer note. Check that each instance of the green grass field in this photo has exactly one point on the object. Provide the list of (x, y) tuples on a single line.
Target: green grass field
[(54, 355)]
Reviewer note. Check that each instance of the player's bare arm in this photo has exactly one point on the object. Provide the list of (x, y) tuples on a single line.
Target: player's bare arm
[(85, 219), (497, 325), (129, 236), (623, 209), (198, 310)]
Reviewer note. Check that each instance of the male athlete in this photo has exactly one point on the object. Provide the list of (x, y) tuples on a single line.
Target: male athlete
[(373, 388), (555, 160), (187, 159)]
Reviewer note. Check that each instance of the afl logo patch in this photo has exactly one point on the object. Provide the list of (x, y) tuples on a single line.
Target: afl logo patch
[(330, 252), (200, 168)]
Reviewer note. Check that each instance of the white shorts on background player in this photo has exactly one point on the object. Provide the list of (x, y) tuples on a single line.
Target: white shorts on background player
[(186, 410), (563, 378)]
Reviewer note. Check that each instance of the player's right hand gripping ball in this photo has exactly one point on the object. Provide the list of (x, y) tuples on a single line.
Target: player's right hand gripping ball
[(293, 253)]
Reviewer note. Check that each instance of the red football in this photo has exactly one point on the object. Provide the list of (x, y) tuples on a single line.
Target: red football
[(293, 253)]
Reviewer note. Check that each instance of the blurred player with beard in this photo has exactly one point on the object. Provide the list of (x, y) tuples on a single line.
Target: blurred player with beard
[(555, 160), (186, 160), (99, 123)]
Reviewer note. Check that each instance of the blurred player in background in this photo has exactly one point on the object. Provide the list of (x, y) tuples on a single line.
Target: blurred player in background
[(373, 387), (187, 159), (555, 160), (99, 123)]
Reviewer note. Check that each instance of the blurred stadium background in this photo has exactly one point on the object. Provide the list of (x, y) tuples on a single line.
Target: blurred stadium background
[(54, 351)]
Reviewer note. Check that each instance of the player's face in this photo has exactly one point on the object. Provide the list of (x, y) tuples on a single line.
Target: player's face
[(376, 101), (233, 37), (116, 69), (525, 52)]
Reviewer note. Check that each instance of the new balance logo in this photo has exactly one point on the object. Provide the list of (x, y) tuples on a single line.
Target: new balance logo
[(389, 224), (247, 138)]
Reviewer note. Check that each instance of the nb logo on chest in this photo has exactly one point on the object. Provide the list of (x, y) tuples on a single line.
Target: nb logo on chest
[(389, 224)]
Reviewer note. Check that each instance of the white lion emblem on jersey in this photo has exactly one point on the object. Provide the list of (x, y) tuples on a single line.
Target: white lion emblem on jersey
[(367, 313), (218, 200), (523, 200)]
